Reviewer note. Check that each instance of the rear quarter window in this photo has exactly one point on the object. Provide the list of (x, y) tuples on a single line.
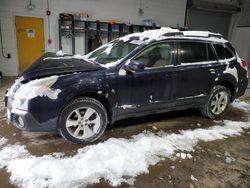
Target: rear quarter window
[(223, 52)]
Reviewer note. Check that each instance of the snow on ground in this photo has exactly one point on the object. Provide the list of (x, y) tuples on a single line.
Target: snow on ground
[(10, 152), (3, 141), (242, 105), (116, 160)]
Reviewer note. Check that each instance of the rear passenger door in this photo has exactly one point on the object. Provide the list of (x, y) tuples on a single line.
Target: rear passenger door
[(196, 61)]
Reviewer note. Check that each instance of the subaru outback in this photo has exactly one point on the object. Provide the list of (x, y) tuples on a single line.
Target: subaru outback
[(139, 74)]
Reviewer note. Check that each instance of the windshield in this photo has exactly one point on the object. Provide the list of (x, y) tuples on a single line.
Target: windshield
[(111, 52)]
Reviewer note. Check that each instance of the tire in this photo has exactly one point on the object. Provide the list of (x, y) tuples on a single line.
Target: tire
[(217, 102), (83, 120)]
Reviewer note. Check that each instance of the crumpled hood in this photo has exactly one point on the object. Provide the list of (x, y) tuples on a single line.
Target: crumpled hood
[(50, 64)]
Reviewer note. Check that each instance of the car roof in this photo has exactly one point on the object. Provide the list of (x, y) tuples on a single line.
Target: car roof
[(169, 33)]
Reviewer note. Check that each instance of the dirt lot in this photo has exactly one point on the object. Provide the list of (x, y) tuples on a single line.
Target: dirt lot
[(220, 163)]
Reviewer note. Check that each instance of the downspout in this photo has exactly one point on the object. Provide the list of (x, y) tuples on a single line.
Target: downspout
[(186, 15)]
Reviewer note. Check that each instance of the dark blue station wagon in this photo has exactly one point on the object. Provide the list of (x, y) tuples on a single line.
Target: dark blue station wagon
[(139, 74)]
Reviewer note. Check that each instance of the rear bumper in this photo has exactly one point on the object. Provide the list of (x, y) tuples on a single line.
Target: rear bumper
[(25, 121)]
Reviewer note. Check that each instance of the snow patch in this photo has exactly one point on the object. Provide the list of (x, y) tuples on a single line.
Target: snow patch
[(193, 178), (107, 51), (126, 106), (3, 141), (111, 64), (184, 155), (10, 153), (122, 72), (228, 158), (242, 105), (60, 53), (232, 71), (116, 160), (154, 127), (39, 87), (148, 35), (158, 34)]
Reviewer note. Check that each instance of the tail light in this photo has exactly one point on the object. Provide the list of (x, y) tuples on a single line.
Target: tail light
[(244, 64)]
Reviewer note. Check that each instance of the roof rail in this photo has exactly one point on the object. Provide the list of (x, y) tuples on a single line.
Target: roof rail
[(217, 35), (171, 34), (202, 34)]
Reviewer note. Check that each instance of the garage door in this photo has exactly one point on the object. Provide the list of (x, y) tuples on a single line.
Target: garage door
[(209, 21)]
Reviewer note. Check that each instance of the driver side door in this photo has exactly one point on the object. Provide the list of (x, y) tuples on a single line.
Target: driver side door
[(152, 87)]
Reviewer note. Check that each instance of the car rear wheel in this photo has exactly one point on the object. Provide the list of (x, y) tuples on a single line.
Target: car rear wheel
[(83, 120), (217, 102)]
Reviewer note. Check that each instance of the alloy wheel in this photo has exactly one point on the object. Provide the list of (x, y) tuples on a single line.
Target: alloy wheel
[(83, 123), (219, 102)]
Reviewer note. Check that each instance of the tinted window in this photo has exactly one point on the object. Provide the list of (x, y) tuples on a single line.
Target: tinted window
[(159, 55), (192, 52), (211, 54), (223, 52)]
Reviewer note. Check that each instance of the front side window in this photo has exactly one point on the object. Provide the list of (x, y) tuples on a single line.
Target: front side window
[(159, 55), (193, 52), (111, 52), (223, 52)]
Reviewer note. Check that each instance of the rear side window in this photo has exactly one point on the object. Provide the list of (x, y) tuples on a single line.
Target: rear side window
[(192, 52), (223, 52)]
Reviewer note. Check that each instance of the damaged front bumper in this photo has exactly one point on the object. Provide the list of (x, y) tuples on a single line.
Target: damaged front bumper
[(28, 103), (24, 120)]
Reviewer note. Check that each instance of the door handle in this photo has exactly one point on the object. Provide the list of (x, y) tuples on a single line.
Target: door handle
[(170, 74)]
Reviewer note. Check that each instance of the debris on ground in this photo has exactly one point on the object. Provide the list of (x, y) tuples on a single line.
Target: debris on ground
[(193, 178), (228, 158)]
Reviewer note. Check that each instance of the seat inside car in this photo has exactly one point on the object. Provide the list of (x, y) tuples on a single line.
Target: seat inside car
[(166, 56)]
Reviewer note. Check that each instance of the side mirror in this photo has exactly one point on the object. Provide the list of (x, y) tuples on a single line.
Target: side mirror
[(134, 66)]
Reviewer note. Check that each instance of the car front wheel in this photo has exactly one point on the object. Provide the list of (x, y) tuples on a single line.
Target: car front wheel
[(217, 102), (83, 120)]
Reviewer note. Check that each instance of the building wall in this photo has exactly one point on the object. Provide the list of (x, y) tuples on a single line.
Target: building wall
[(240, 30), (163, 12)]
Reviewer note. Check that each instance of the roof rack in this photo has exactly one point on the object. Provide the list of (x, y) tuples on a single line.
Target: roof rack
[(202, 34), (217, 35), (171, 34)]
